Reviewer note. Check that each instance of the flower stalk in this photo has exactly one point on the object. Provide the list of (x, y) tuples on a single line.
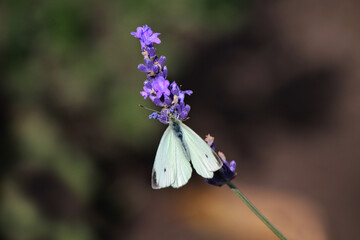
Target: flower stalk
[(225, 175), (256, 211)]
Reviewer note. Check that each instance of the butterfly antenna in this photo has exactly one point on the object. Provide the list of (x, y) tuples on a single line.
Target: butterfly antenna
[(142, 106)]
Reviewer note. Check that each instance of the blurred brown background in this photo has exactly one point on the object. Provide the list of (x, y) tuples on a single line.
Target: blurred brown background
[(276, 83)]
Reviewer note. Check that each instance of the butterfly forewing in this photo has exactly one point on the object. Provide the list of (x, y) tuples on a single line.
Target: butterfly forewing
[(163, 169), (171, 167), (202, 156)]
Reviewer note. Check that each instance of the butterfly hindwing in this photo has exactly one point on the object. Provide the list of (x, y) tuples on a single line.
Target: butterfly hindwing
[(202, 156)]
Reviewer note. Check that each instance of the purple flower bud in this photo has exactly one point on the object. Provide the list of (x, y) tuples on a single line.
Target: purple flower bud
[(161, 61), (143, 68), (164, 72), (155, 68), (232, 166), (148, 63), (151, 51)]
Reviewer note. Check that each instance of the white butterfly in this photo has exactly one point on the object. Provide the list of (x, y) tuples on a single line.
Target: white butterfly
[(178, 147)]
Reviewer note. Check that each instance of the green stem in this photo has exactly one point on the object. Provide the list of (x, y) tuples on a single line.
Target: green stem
[(254, 209)]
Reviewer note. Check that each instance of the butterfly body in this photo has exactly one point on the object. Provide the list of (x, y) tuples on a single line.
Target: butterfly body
[(179, 148)]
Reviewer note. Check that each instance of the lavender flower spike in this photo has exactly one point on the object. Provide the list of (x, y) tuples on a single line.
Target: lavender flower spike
[(157, 88)]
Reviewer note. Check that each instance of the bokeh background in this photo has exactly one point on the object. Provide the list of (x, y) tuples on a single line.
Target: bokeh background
[(276, 83)]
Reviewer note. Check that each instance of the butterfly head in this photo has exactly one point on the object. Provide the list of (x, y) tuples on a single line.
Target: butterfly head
[(172, 113)]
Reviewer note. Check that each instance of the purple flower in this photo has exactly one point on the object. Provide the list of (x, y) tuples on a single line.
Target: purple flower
[(182, 110), (153, 68), (148, 90), (152, 92), (161, 86), (164, 117), (149, 66), (175, 90), (154, 115), (146, 36)]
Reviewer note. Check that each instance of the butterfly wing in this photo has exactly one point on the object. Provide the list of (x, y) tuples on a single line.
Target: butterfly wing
[(183, 167), (202, 156), (171, 166)]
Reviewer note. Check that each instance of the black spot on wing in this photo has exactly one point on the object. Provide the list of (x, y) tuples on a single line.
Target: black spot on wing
[(206, 156), (164, 169), (153, 180)]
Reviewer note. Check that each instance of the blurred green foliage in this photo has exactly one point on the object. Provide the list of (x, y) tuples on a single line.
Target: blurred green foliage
[(69, 69)]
